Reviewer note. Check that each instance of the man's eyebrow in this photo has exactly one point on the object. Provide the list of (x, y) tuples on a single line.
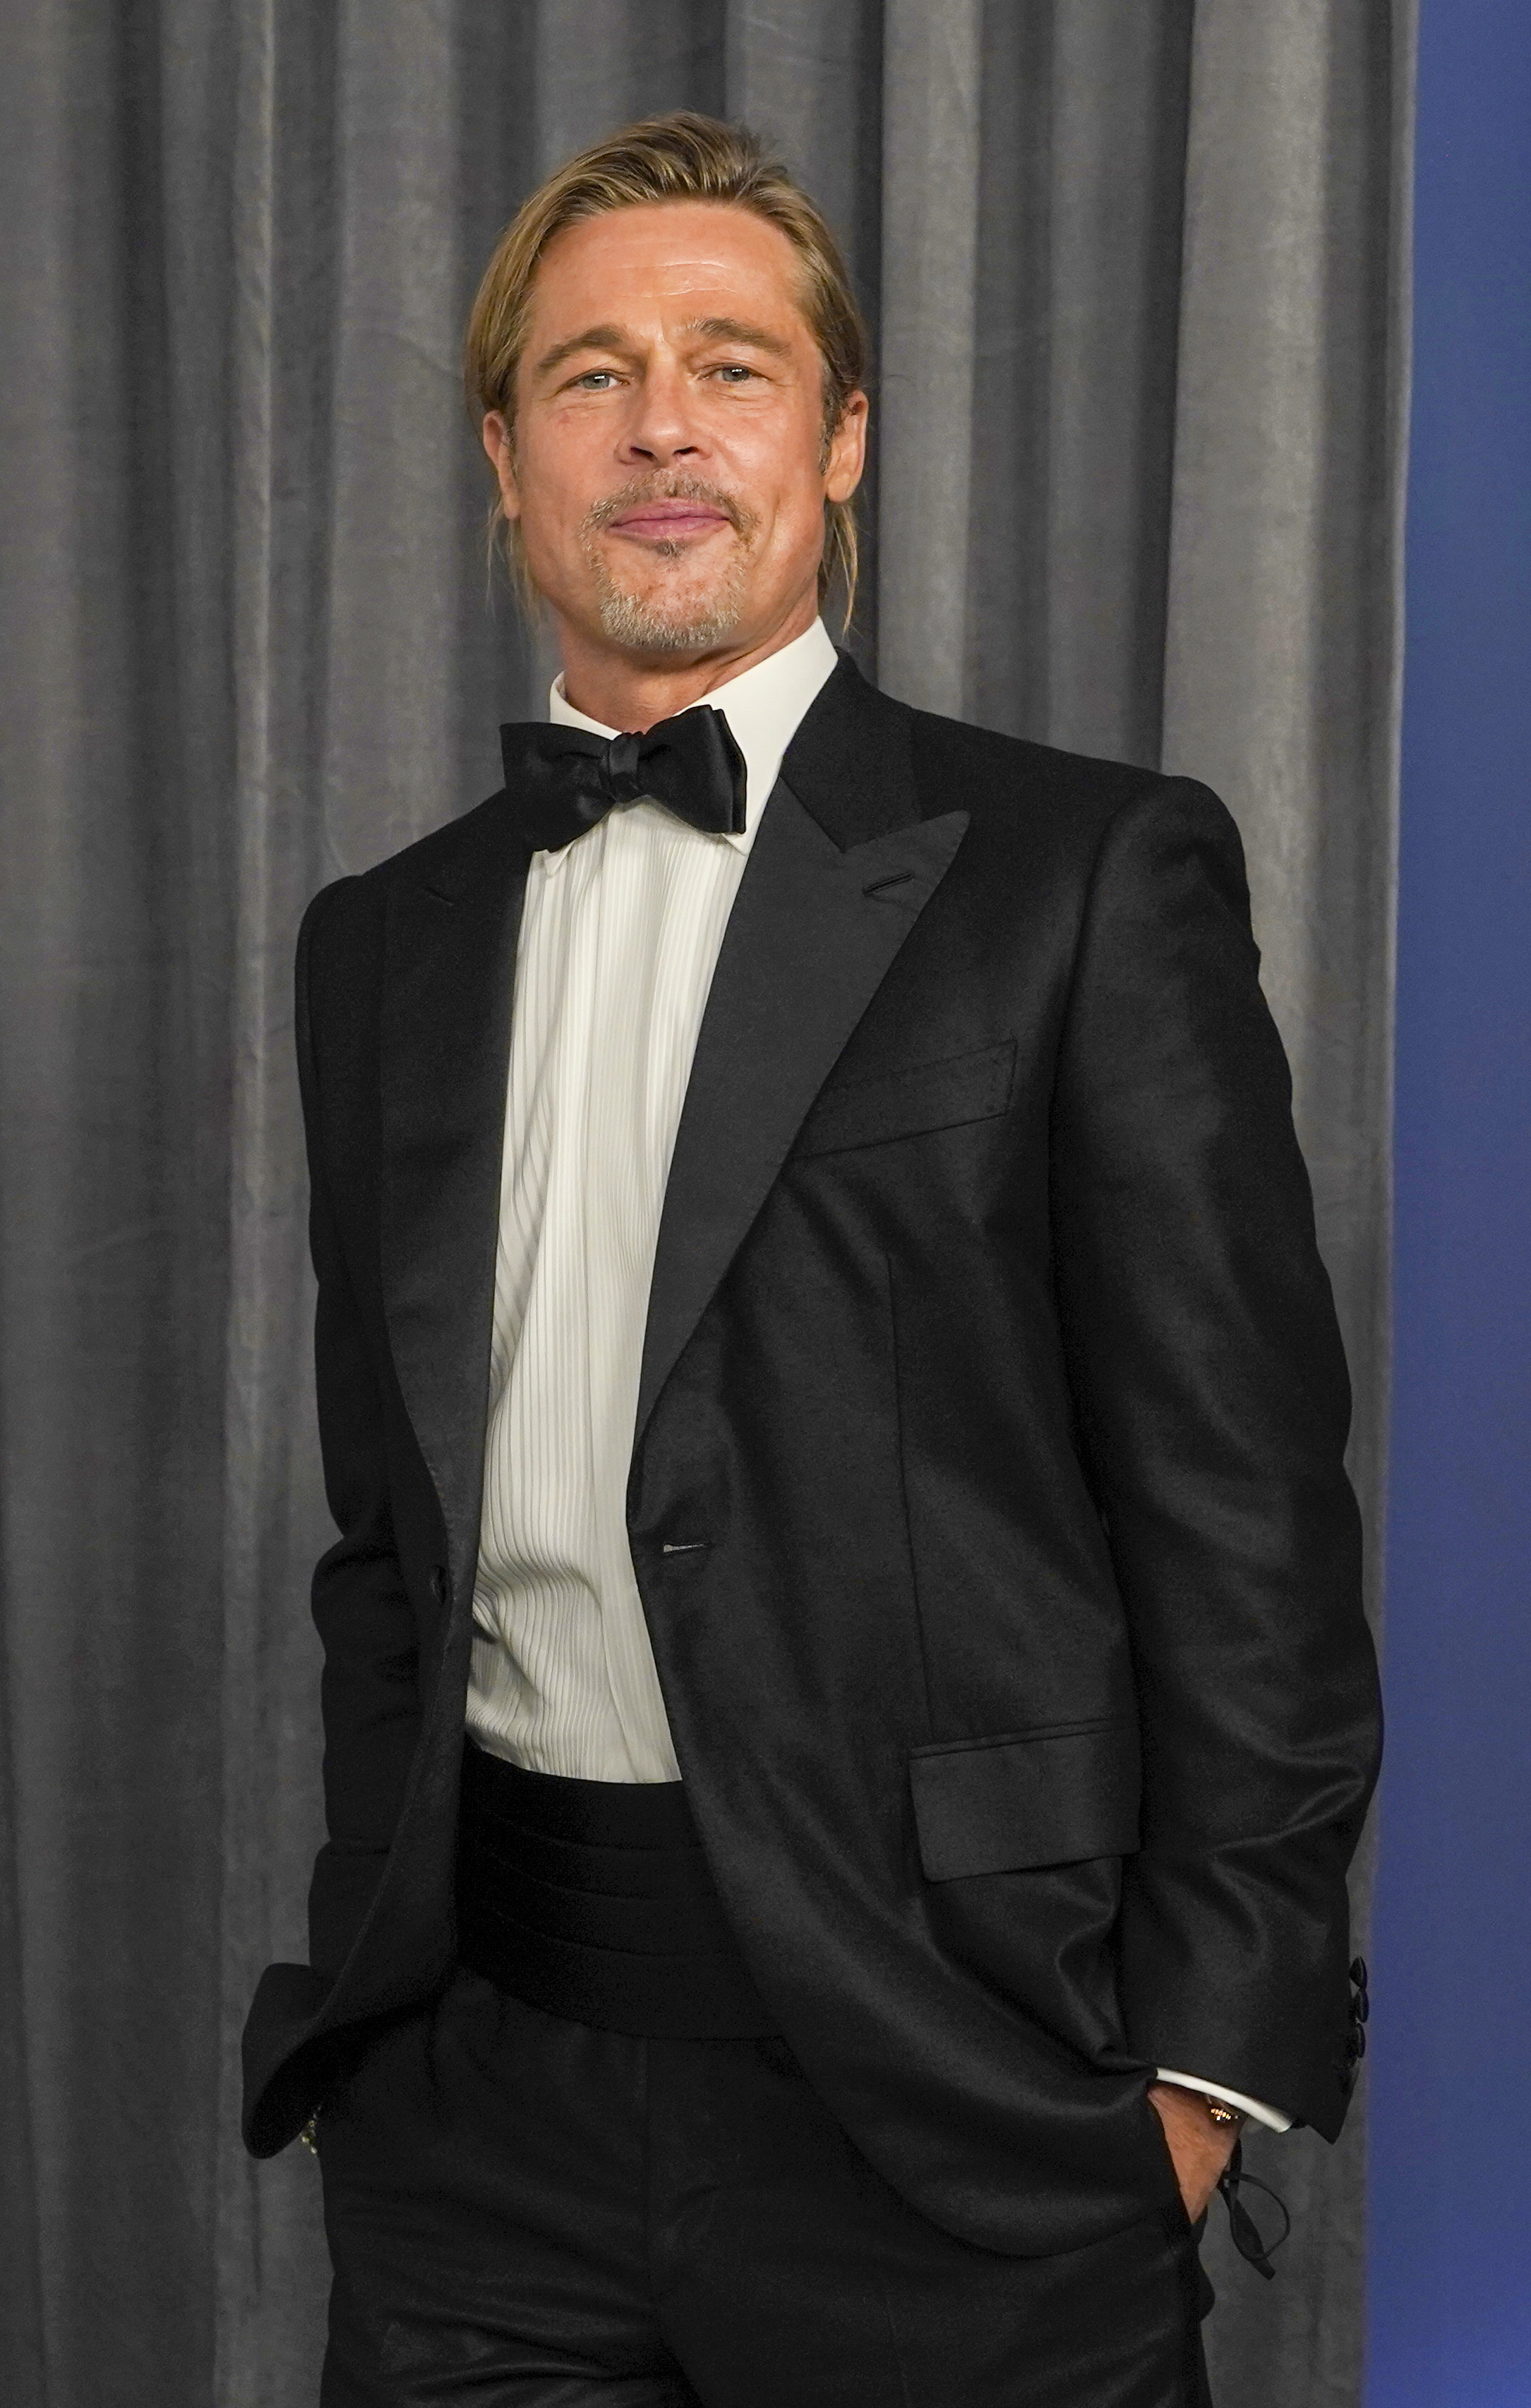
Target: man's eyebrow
[(617, 339), (735, 330), (594, 339)]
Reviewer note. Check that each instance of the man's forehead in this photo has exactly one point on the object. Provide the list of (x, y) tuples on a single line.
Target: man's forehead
[(695, 263)]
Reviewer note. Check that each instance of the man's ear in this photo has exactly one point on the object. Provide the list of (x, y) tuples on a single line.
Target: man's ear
[(500, 444), (847, 451)]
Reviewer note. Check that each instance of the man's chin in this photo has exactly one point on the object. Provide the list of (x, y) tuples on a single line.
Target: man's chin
[(664, 626)]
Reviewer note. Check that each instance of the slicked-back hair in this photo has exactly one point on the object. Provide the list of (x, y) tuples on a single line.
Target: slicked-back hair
[(681, 157)]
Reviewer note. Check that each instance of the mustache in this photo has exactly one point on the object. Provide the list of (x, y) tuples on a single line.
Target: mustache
[(673, 488)]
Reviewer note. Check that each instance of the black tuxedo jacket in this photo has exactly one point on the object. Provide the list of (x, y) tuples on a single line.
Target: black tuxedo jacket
[(986, 1499)]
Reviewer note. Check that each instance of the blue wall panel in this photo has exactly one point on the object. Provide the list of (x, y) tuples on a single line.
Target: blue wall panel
[(1451, 2063)]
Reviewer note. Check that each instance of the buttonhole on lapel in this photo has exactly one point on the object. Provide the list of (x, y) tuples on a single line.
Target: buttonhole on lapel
[(682, 1546), (897, 878)]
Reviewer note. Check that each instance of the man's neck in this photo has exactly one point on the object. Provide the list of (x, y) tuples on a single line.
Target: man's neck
[(633, 691)]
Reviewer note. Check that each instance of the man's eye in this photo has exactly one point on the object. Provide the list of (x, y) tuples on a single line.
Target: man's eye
[(589, 379), (735, 372)]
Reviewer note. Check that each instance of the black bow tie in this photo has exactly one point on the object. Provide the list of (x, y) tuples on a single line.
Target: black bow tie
[(562, 780)]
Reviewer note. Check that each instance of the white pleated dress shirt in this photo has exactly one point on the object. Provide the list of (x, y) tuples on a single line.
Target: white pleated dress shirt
[(619, 936)]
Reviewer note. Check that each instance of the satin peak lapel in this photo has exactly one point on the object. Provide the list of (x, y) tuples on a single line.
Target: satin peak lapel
[(840, 870), (451, 952)]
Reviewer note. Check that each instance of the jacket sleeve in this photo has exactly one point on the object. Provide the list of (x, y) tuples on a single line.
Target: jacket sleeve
[(369, 1691), (1213, 1407)]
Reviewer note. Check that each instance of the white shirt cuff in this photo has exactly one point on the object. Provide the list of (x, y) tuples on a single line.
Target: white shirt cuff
[(1256, 2107)]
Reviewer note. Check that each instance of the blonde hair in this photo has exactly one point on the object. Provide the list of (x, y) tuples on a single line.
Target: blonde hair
[(681, 157)]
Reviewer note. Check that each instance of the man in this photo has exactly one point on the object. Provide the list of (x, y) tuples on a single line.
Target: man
[(846, 1697)]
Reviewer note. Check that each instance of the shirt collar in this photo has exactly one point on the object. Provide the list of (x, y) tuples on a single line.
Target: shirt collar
[(764, 707)]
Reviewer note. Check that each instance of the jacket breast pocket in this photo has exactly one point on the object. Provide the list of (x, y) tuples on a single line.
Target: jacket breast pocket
[(902, 1103), (1028, 1799)]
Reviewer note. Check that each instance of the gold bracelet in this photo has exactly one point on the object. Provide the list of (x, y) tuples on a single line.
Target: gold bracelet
[(1220, 2111)]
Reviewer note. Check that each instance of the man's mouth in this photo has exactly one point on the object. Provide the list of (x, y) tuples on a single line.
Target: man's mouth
[(669, 521)]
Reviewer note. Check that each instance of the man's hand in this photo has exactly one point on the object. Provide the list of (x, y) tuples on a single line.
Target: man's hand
[(1199, 2147)]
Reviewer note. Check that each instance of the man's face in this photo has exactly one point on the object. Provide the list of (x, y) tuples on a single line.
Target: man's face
[(669, 465)]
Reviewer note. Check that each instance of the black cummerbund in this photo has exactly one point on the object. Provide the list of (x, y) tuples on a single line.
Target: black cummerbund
[(591, 1899)]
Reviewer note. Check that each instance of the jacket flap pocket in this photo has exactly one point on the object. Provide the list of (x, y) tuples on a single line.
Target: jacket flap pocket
[(901, 1103), (1034, 1798)]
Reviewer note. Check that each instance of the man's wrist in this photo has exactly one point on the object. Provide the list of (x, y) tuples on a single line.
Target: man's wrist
[(1200, 2150), (1256, 2110)]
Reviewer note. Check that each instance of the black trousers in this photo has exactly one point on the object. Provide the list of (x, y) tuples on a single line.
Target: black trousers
[(526, 2212)]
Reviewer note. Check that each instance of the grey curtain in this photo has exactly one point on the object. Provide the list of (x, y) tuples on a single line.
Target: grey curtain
[(1136, 270)]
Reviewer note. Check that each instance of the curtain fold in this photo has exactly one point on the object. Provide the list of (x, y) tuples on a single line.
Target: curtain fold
[(1136, 274)]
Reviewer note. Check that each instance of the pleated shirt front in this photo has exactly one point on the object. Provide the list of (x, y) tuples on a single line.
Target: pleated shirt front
[(619, 940)]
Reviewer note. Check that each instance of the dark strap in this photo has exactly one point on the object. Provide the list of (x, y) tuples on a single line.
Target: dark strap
[(1242, 2229), (593, 1900)]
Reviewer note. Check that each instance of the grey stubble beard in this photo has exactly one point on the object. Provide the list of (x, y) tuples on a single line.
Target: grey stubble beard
[(642, 624)]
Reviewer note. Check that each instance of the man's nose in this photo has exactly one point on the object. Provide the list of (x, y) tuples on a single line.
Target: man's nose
[(663, 427)]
